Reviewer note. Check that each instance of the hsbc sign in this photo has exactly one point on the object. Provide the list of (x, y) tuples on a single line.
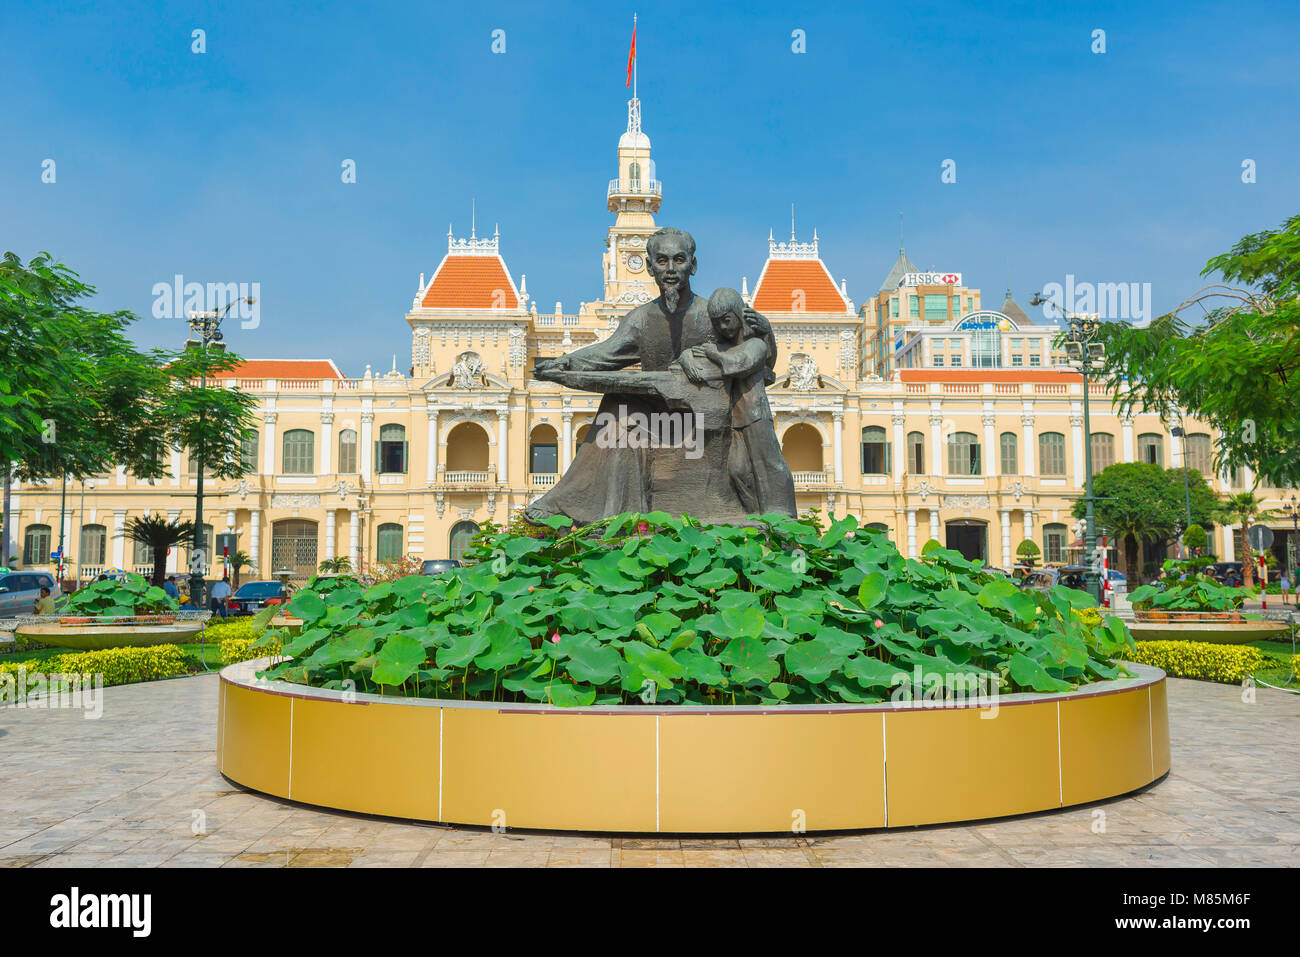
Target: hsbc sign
[(931, 279)]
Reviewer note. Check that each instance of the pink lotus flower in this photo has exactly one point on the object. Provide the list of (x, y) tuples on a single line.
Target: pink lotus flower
[(848, 534), (556, 638), (879, 622), (642, 528)]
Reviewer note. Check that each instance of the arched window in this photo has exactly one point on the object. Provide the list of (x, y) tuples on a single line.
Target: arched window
[(1199, 455), (299, 452), (388, 546), (1151, 448), (36, 545), (634, 176), (467, 448), (461, 534), (964, 454), (1053, 543), (390, 450), (348, 452), (1051, 453), (916, 453), (802, 447), (544, 451), (94, 545), (875, 451), (1103, 451), (1009, 446)]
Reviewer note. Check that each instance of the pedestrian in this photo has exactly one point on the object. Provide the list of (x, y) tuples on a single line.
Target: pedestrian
[(219, 593), (169, 586), (1285, 583), (45, 604)]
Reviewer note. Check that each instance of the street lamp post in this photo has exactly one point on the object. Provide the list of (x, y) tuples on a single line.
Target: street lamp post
[(1291, 507), (1179, 432), (1085, 355), (205, 331)]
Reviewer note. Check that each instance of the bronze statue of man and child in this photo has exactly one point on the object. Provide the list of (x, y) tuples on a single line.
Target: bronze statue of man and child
[(689, 432)]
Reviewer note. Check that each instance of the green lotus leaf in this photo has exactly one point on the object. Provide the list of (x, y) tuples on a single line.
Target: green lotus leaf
[(398, 660), (872, 590), (588, 660), (811, 660), (742, 622), (718, 576), (506, 647), (874, 673), (1030, 674), (462, 649), (564, 695)]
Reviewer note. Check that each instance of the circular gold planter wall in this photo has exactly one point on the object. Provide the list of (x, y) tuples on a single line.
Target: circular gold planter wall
[(679, 769)]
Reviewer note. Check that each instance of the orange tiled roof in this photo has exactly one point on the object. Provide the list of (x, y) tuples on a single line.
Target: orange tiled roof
[(782, 278), (471, 282), (283, 369), (987, 375)]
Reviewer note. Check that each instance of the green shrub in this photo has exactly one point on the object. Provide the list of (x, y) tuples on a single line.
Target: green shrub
[(242, 649), (223, 630), (656, 609), (117, 665), (1205, 660)]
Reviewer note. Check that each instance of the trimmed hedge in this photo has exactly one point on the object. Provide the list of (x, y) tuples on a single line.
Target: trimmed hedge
[(234, 650), (118, 666), (219, 631), (1230, 664)]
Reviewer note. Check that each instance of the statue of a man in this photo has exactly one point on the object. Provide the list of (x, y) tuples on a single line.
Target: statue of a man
[(606, 478)]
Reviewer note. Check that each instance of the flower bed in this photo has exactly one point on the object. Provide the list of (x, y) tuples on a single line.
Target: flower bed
[(651, 609), (1230, 664)]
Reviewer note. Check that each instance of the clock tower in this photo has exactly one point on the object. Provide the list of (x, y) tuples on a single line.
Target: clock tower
[(634, 197)]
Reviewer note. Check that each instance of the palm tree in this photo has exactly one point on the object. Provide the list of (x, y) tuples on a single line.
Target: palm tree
[(1243, 509), (1132, 528), (235, 561), (160, 535), (340, 564)]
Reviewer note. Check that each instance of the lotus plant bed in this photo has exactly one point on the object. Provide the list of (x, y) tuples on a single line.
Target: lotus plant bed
[(1188, 605), (114, 613), (655, 610)]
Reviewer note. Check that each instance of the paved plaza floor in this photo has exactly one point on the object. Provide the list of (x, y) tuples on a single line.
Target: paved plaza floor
[(131, 788)]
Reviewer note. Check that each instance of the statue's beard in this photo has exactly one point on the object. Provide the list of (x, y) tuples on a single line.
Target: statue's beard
[(672, 295)]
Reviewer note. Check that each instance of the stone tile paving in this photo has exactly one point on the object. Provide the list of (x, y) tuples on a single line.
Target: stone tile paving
[(129, 789)]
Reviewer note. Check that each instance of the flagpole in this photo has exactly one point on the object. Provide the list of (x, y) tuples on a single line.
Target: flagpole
[(634, 58)]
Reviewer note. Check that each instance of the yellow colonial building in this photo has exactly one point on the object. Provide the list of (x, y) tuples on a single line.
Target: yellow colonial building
[(919, 412)]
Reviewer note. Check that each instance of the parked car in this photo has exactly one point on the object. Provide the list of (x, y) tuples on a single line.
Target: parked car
[(436, 566), (254, 596), (1071, 576), (19, 591)]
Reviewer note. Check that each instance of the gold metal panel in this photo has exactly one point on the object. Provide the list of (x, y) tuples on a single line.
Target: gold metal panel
[(771, 772), (1105, 745), (588, 772), (951, 764), (1160, 727), (376, 758), (255, 739)]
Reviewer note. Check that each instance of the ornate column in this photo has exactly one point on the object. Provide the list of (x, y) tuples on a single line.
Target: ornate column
[(1126, 430), (911, 533), (1029, 523), (329, 533), (119, 538), (431, 453), (172, 515), (837, 445), (354, 537), (326, 442), (176, 465), (268, 443), (990, 463), (1006, 537), (254, 540), (566, 440), (1078, 438), (934, 523), (900, 448), (1029, 454), (367, 444), (503, 474)]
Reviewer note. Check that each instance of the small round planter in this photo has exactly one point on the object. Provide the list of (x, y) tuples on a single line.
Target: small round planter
[(94, 637), (690, 769)]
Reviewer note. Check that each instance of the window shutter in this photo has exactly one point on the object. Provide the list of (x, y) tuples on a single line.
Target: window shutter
[(379, 463), (406, 457)]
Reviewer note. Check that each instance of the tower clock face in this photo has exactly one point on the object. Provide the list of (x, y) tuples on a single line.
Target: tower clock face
[(636, 262)]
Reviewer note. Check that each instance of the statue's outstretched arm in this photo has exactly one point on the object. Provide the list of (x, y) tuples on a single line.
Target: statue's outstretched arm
[(621, 349)]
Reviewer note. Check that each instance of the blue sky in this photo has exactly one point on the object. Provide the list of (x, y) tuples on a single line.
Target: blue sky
[(225, 167)]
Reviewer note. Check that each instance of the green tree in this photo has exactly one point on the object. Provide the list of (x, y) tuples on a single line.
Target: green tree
[(1238, 369), (159, 534), (77, 397), (1243, 509), (1141, 502), (235, 561), (1028, 550), (340, 564)]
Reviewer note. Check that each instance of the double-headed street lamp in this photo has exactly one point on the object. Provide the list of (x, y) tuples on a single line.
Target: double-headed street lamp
[(1179, 432), (205, 332), (1085, 354), (1291, 508)]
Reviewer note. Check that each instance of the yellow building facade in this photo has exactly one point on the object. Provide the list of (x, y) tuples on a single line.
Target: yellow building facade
[(919, 412)]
